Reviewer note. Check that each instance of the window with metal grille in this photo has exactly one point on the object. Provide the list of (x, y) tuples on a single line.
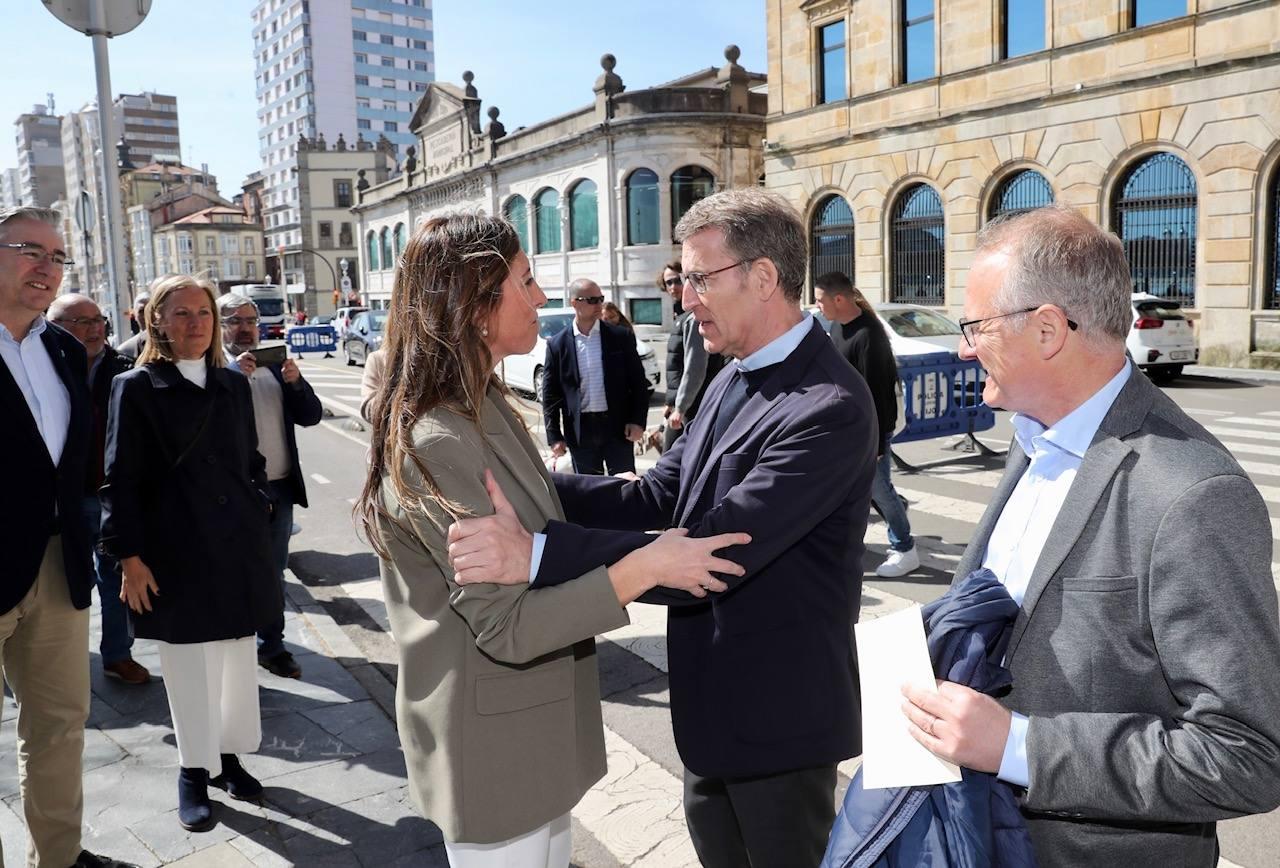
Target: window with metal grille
[(1155, 217), (642, 207), (546, 218), (1021, 191), (1271, 298), (917, 237), (584, 221), (517, 214), (831, 66), (689, 184), (831, 238), (917, 40)]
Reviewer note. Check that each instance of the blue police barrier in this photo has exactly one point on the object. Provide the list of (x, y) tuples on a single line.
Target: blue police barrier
[(941, 396), (312, 339)]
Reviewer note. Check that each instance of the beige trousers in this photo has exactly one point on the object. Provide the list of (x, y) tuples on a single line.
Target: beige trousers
[(44, 653)]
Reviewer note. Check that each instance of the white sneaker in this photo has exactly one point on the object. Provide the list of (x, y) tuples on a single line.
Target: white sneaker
[(899, 563)]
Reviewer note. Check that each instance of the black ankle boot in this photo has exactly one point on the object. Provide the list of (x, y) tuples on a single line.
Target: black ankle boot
[(238, 783), (195, 813)]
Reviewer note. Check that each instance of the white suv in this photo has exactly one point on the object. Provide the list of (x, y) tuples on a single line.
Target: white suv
[(342, 318), (1160, 340)]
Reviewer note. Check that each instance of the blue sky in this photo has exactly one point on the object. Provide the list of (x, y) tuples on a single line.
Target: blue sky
[(532, 63)]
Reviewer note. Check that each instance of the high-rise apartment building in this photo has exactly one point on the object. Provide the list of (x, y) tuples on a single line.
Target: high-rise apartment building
[(327, 68), (10, 188), (148, 124), (39, 142)]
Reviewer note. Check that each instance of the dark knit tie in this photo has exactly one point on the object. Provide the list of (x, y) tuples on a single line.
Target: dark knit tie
[(734, 397)]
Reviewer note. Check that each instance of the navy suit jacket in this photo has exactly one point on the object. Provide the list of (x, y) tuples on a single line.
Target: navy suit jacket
[(763, 676), (44, 499), (625, 387)]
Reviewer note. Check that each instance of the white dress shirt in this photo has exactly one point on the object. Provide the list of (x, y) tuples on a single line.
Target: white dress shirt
[(590, 369), (46, 395), (1028, 517)]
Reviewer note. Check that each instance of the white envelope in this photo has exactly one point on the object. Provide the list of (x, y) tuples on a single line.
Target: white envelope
[(892, 652)]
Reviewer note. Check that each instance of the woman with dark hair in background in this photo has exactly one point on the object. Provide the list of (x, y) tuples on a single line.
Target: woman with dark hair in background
[(498, 699), (184, 511)]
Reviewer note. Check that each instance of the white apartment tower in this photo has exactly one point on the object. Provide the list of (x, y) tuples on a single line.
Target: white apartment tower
[(327, 68)]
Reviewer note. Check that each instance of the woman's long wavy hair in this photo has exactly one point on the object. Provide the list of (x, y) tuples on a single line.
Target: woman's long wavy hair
[(448, 283)]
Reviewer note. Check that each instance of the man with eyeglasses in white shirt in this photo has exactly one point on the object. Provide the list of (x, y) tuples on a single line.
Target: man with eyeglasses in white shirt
[(48, 574), (81, 316)]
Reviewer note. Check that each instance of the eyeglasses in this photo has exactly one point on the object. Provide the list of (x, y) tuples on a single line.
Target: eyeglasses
[(82, 321), (699, 278), (35, 253), (970, 332), (234, 321), (673, 282), (590, 299)]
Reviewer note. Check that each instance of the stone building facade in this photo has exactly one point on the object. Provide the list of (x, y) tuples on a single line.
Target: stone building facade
[(594, 193), (900, 128), (220, 242)]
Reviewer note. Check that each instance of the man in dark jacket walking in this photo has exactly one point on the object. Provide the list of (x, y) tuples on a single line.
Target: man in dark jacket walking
[(81, 316), (858, 334), (690, 368), (281, 400)]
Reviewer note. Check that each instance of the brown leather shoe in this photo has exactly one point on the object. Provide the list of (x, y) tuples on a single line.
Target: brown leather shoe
[(127, 670)]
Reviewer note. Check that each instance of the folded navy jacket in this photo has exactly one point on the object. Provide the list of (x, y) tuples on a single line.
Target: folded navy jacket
[(970, 824)]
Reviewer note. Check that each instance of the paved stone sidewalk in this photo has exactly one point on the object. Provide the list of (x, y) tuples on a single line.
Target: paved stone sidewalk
[(330, 761)]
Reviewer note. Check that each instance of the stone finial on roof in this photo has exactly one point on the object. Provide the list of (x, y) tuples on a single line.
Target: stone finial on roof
[(731, 71), (735, 80), (495, 128), (304, 144), (361, 143), (340, 144), (320, 143), (410, 160), (609, 83), (363, 183), (470, 91)]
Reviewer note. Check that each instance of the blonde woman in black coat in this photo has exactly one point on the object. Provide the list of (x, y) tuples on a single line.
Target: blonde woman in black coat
[(184, 511)]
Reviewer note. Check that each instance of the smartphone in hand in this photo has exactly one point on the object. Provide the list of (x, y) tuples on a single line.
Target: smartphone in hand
[(269, 355)]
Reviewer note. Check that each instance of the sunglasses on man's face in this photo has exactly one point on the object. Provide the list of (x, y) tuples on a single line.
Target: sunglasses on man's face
[(590, 299)]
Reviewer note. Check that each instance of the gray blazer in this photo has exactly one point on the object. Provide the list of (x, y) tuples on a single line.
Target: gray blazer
[(1147, 651), (498, 698)]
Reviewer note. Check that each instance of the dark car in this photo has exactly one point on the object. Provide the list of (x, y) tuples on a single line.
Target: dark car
[(364, 336)]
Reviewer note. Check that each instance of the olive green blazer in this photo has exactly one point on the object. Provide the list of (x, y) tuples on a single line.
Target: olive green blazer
[(498, 698)]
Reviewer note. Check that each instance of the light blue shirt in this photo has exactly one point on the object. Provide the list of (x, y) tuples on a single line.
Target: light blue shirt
[(46, 395), (590, 369), (775, 351), (1028, 517)]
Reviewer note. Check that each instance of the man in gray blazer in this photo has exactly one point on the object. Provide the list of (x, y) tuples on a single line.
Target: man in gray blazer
[(1146, 656)]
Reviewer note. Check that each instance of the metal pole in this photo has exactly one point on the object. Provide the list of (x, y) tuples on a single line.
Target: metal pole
[(118, 300)]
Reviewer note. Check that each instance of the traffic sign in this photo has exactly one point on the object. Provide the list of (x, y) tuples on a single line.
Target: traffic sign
[(119, 16)]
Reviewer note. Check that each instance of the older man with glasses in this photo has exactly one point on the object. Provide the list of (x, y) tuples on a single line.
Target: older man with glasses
[(281, 400), (1146, 653), (48, 573), (81, 316), (594, 393)]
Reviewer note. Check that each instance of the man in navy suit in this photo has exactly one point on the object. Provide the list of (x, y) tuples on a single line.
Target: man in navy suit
[(48, 573), (763, 680), (594, 393)]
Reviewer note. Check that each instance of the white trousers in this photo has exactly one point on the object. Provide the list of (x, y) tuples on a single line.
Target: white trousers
[(213, 699), (548, 846)]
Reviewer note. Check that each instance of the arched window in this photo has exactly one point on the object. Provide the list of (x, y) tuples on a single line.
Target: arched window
[(584, 219), (1271, 298), (688, 185), (517, 214), (398, 239), (917, 237), (371, 242), (1155, 217), (388, 257), (831, 238), (642, 207), (1021, 191), (546, 218)]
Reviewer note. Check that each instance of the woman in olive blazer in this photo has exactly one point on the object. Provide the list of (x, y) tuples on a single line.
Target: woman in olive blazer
[(498, 699)]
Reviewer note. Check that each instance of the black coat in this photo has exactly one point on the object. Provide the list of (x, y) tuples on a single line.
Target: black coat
[(201, 526), (43, 499), (626, 388), (112, 365), (301, 407), (864, 342), (675, 359)]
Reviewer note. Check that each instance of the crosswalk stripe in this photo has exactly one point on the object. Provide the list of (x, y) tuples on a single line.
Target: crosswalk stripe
[(1258, 468), (1270, 413), (1235, 446), (320, 480), (1246, 420), (1246, 433), (1198, 411)]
